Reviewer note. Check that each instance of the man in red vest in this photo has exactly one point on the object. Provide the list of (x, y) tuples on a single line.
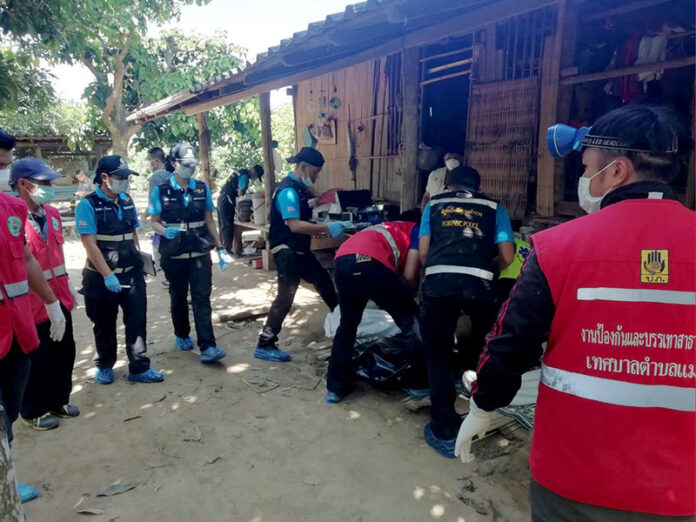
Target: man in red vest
[(50, 380), (614, 294), (381, 264), (19, 273)]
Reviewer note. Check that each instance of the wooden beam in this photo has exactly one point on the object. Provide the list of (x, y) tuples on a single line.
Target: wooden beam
[(269, 177), (626, 71), (550, 75), (446, 77), (204, 144), (410, 124), (627, 8), (290, 79)]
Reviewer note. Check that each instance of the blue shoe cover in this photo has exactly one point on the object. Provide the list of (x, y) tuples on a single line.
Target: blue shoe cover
[(26, 493), (212, 354), (444, 447), (104, 375), (271, 354), (146, 376), (419, 394), (185, 343), (333, 398)]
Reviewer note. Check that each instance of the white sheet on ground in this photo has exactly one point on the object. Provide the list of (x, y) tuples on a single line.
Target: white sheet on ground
[(375, 323)]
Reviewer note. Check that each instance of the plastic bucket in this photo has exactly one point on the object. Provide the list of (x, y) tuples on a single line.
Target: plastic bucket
[(258, 204)]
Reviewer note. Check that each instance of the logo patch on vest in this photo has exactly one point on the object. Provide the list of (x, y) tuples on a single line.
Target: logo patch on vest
[(56, 223), (14, 225), (654, 266)]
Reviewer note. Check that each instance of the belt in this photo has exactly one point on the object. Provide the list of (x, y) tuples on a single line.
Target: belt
[(17, 289), (57, 272), (186, 226), (115, 270), (114, 237), (189, 255), (453, 269)]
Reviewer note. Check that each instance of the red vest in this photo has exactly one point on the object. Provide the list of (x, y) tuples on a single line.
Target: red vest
[(387, 243), (614, 423), (49, 254), (15, 306)]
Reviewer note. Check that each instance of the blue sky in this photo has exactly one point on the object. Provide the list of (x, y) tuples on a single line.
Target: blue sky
[(254, 24)]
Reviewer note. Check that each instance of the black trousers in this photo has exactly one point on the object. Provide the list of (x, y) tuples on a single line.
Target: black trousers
[(226, 224), (102, 307), (197, 274), (440, 314), (547, 506), (50, 378), (359, 281), (292, 268), (14, 372)]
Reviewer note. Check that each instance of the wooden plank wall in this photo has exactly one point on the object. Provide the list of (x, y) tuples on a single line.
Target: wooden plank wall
[(374, 109)]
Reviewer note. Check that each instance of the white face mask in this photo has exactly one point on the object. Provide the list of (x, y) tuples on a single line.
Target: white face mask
[(185, 172), (119, 186), (588, 202), (452, 163)]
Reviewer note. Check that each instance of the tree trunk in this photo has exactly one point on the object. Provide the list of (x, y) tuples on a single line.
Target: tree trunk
[(10, 506), (120, 143)]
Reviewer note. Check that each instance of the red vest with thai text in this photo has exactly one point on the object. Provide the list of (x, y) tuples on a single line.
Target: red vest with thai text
[(387, 243), (614, 423), (15, 306), (49, 254)]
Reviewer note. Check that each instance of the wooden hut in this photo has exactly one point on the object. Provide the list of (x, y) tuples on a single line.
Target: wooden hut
[(389, 84)]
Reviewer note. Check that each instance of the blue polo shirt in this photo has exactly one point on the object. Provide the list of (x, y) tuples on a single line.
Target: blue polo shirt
[(155, 208), (503, 226), (288, 202), (86, 219)]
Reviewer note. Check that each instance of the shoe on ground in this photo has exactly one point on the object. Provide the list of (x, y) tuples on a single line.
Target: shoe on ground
[(461, 389), (212, 354), (104, 375), (43, 423), (26, 493), (419, 394), (146, 377), (333, 398), (165, 282), (444, 447), (67, 410), (184, 343), (271, 354)]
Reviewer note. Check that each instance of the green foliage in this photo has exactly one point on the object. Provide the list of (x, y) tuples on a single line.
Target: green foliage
[(23, 82), (63, 117), (283, 130)]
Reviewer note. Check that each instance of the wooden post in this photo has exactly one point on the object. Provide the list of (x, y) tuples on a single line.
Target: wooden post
[(204, 143), (10, 506), (268, 166), (410, 124), (550, 76)]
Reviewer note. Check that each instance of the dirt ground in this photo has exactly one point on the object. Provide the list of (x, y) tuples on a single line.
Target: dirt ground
[(249, 440)]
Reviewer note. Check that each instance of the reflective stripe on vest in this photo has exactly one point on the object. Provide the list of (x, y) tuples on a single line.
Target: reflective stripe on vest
[(453, 269), (192, 224), (115, 237), (57, 271), (475, 201), (17, 289), (278, 248), (620, 393), (115, 270), (637, 295), (390, 239), (189, 255)]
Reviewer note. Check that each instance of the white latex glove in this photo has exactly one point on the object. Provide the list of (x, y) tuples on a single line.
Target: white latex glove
[(469, 378), (55, 315), (476, 423), (73, 291)]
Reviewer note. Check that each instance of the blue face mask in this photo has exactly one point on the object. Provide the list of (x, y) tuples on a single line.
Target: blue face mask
[(42, 194), (119, 186)]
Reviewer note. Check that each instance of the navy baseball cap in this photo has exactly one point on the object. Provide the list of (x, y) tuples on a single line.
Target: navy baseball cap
[(308, 155), (32, 168), (184, 153), (113, 166)]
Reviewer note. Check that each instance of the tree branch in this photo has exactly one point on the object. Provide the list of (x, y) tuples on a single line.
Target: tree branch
[(116, 95), (89, 63)]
